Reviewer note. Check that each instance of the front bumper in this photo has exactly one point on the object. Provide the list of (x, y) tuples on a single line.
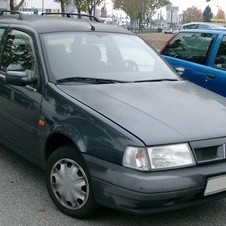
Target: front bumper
[(151, 192)]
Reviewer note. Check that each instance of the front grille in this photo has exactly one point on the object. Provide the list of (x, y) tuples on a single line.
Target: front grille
[(209, 150), (210, 153)]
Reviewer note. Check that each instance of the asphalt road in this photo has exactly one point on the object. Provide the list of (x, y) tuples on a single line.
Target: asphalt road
[(25, 201)]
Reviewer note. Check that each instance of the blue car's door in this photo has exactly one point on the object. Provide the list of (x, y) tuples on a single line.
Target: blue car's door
[(202, 56), (209, 77), (193, 72), (216, 80)]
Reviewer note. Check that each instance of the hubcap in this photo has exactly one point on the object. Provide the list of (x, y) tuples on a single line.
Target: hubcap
[(69, 184)]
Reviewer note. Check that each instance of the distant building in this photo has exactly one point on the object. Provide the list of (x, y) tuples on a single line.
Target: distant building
[(172, 14), (4, 4), (39, 6)]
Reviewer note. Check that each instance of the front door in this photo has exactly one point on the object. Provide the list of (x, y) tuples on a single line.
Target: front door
[(19, 105)]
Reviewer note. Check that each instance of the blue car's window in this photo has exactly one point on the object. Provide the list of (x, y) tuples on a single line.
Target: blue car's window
[(191, 26), (192, 47), (220, 61), (203, 26)]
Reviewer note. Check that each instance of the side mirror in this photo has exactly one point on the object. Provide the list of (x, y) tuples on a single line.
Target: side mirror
[(19, 78), (180, 70)]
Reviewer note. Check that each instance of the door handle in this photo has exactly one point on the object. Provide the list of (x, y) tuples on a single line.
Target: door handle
[(211, 76)]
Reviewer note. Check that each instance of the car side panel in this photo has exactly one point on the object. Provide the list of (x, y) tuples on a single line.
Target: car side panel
[(206, 76), (19, 114), (192, 71), (216, 81)]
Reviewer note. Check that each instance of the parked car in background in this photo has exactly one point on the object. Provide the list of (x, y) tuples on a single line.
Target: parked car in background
[(200, 56), (106, 118), (167, 30), (201, 25)]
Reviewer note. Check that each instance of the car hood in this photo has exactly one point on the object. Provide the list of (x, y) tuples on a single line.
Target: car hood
[(157, 112)]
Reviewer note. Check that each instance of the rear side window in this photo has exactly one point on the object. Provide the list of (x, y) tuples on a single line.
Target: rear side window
[(191, 26), (203, 26), (192, 47)]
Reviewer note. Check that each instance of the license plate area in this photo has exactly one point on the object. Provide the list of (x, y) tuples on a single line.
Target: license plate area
[(215, 185)]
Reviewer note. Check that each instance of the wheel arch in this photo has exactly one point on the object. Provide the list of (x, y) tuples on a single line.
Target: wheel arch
[(57, 140)]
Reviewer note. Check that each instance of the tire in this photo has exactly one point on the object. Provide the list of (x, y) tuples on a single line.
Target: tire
[(69, 185)]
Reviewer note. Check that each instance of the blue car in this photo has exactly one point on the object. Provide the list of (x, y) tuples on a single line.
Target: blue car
[(200, 57)]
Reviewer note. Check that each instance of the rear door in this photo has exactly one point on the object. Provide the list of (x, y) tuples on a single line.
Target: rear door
[(216, 81)]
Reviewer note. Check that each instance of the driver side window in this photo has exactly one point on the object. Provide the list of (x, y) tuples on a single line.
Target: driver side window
[(18, 53)]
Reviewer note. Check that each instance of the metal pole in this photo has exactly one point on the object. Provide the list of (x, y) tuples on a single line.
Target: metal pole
[(94, 7), (171, 19), (42, 6)]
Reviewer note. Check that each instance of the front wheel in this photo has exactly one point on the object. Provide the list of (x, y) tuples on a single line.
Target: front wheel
[(68, 183)]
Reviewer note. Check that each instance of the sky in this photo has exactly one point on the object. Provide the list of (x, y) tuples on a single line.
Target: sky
[(200, 4), (183, 4)]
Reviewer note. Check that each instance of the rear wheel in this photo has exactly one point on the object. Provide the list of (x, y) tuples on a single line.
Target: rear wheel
[(68, 183)]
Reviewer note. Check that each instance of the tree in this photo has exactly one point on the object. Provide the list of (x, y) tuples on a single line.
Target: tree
[(63, 3), (87, 5), (220, 14), (80, 5), (92, 5), (207, 14), (131, 7), (103, 12), (139, 8), (15, 7), (154, 5), (192, 14)]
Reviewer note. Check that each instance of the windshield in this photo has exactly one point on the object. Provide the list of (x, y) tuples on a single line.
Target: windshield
[(108, 56)]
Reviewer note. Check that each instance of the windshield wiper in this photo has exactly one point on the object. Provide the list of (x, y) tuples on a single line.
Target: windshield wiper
[(90, 80), (158, 80)]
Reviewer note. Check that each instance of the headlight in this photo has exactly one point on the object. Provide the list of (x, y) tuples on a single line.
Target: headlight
[(170, 156), (158, 158)]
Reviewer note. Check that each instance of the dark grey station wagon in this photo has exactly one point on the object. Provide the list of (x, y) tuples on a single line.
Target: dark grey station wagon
[(106, 118)]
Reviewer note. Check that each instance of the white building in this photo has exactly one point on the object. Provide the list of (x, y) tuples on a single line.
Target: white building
[(31, 5), (4, 4), (44, 5), (172, 14)]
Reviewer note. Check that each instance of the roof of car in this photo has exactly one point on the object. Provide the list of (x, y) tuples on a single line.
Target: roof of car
[(44, 24), (197, 23), (211, 25), (212, 31)]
